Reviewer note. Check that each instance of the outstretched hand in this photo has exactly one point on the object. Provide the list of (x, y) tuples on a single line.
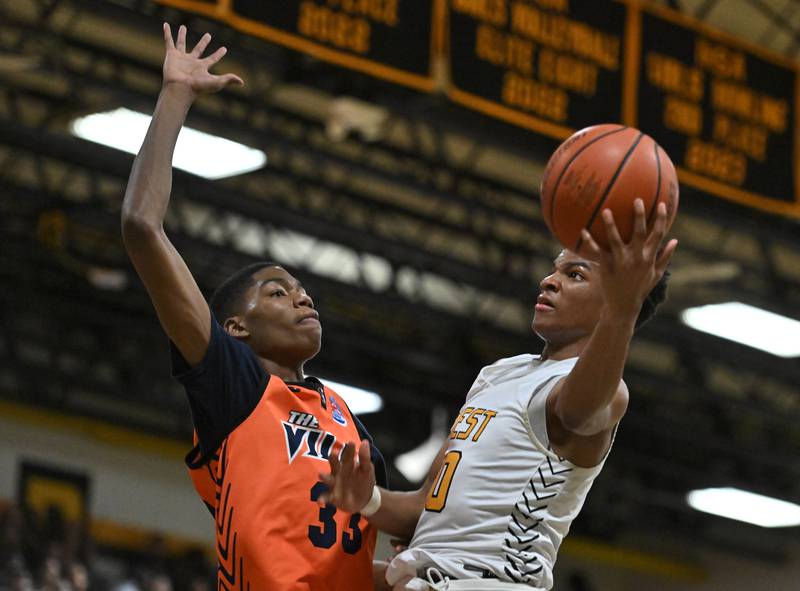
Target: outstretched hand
[(351, 478), (631, 270), (191, 70)]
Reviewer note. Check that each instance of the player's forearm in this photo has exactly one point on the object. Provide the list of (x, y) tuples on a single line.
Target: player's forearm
[(399, 513), (588, 390), (150, 182), (379, 575)]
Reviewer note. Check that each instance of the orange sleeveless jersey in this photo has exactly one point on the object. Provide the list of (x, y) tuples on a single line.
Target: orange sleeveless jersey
[(262, 487)]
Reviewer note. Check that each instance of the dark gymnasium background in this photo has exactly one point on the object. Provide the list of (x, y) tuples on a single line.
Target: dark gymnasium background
[(405, 141)]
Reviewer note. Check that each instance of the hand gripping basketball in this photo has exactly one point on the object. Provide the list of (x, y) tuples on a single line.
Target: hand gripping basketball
[(630, 270), (605, 167)]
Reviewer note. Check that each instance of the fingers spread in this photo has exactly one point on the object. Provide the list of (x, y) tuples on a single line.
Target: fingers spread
[(168, 37), (588, 247), (614, 239), (665, 256), (333, 460), (232, 79), (216, 56), (181, 44), (639, 221), (348, 456), (364, 459), (659, 227), (201, 45)]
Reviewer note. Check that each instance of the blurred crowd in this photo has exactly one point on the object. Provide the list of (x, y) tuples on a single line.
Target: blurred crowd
[(45, 552)]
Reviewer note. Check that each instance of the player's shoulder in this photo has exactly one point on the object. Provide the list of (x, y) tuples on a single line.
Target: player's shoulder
[(533, 363), (622, 395), (559, 365), (515, 360)]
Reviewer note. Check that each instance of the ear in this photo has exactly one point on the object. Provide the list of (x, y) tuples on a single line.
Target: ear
[(235, 327)]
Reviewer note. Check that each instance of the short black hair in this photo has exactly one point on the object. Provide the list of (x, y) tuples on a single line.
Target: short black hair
[(653, 300), (227, 298)]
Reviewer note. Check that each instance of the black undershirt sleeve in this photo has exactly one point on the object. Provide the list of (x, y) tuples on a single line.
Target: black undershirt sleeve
[(223, 389), (381, 474)]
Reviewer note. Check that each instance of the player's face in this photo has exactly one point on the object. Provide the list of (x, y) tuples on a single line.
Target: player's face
[(570, 300), (280, 318)]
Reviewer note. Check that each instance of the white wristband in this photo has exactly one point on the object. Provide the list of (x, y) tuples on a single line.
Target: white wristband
[(373, 504)]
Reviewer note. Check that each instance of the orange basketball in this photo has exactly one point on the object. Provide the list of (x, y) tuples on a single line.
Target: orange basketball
[(605, 166)]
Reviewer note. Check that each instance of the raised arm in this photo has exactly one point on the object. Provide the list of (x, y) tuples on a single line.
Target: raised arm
[(350, 484), (179, 304), (583, 408)]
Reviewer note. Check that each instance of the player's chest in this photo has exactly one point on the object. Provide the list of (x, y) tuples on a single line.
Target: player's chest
[(298, 428), (493, 414), (308, 434)]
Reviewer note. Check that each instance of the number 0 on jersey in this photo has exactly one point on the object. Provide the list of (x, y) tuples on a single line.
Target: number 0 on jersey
[(437, 495)]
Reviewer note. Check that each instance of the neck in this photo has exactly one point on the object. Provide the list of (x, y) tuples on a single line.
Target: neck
[(558, 351), (286, 372)]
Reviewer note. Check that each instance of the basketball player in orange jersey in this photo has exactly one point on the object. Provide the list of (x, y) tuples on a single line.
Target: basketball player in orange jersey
[(533, 434), (263, 429)]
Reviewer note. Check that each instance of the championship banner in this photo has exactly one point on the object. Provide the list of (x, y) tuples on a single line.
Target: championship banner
[(552, 66), (388, 39), (212, 8), (723, 110)]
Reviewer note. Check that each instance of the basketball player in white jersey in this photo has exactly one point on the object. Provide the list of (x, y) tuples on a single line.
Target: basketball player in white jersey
[(533, 433)]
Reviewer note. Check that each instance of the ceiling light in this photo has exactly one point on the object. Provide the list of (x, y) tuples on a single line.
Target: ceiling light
[(748, 325), (359, 401), (199, 153), (745, 506), (105, 278)]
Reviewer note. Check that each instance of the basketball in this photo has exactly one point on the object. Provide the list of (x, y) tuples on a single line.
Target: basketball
[(605, 166)]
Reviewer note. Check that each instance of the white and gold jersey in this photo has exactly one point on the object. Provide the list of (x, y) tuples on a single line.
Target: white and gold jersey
[(502, 502)]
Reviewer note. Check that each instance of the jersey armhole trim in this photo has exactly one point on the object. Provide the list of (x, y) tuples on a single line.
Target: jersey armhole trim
[(546, 449), (610, 443), (194, 459), (535, 440), (548, 385), (198, 456)]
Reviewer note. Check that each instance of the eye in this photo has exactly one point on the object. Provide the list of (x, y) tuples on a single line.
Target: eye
[(277, 293), (576, 275)]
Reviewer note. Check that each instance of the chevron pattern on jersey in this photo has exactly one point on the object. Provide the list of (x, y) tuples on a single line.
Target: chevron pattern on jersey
[(211, 473), (523, 564), (230, 566)]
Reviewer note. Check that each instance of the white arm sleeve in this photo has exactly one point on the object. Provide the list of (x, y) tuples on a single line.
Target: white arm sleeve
[(537, 409)]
